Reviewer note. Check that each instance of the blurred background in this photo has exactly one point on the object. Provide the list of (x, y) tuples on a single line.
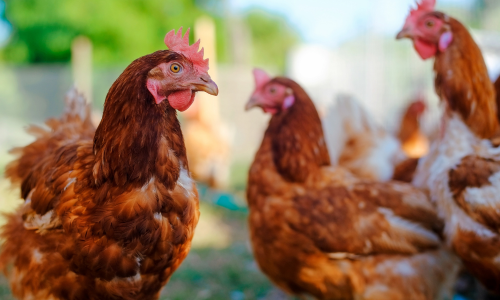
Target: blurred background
[(333, 48)]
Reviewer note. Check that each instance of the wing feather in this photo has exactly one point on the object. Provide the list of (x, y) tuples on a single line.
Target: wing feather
[(475, 185), (367, 218)]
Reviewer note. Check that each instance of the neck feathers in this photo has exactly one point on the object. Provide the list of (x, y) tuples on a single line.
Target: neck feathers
[(462, 80), (137, 139), (298, 143)]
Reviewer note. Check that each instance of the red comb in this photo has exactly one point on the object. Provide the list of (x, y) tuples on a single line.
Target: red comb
[(427, 5), (261, 78), (423, 7), (180, 44)]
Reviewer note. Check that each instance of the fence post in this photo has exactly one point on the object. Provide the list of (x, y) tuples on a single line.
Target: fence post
[(81, 64)]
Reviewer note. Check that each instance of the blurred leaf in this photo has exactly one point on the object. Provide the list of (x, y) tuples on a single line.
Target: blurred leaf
[(272, 37), (123, 30)]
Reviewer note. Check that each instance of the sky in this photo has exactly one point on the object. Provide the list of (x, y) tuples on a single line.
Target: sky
[(330, 22), (4, 26), (326, 22)]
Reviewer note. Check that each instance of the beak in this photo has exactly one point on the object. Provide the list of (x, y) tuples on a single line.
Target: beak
[(405, 33), (253, 102), (206, 84)]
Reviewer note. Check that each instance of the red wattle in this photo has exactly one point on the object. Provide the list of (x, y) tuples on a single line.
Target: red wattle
[(181, 100), (425, 49)]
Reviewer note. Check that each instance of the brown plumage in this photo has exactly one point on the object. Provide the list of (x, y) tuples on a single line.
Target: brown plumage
[(405, 170), (318, 230), (108, 215), (497, 92), (464, 83), (414, 142), (462, 170)]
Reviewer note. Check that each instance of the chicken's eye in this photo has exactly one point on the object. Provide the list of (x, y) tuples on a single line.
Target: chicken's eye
[(429, 24), (272, 90), (175, 68)]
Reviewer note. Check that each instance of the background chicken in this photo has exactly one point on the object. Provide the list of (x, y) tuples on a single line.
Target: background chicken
[(356, 142), (414, 142), (317, 229), (109, 215), (462, 169), (208, 150)]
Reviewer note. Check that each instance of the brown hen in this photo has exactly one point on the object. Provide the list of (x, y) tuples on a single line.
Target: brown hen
[(109, 215), (414, 142), (318, 230), (462, 169)]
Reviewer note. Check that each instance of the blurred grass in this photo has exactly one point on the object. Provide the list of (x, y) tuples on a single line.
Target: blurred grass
[(219, 273), (219, 266)]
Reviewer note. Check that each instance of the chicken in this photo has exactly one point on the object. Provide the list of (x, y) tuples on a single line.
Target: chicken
[(208, 151), (318, 230), (413, 141), (109, 214), (461, 171), (356, 142)]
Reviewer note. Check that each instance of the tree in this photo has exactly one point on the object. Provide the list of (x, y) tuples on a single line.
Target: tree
[(272, 37), (122, 30)]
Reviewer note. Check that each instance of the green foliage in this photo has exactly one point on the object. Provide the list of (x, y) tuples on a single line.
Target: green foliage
[(272, 37), (121, 30)]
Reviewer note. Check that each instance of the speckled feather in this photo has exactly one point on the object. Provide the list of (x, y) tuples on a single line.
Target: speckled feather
[(106, 216), (318, 230)]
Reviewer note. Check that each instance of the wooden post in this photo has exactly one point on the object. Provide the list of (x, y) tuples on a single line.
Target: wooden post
[(204, 29), (81, 63)]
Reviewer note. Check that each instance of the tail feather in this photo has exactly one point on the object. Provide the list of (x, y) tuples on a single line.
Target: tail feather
[(76, 106), (345, 119), (74, 123), (357, 142)]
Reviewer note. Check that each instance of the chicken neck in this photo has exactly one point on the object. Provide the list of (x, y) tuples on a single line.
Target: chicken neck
[(462, 81)]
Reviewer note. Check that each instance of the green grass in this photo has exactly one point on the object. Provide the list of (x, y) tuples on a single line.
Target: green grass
[(223, 270)]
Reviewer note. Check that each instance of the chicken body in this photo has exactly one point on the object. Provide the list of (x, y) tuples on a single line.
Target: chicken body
[(318, 230), (462, 169), (108, 214), (461, 173), (208, 152)]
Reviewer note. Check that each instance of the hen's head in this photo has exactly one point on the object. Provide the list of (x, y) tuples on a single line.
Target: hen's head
[(428, 29), (273, 97), (181, 73)]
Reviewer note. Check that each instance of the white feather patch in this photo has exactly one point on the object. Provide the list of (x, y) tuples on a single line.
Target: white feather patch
[(488, 195), (185, 182), (37, 256), (69, 182), (457, 142), (401, 267)]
